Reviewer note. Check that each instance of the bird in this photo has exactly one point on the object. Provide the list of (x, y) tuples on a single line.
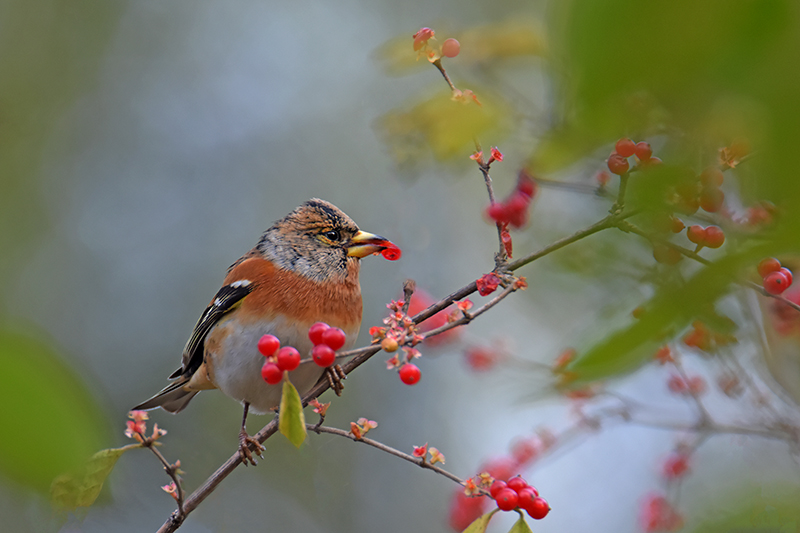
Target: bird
[(304, 269)]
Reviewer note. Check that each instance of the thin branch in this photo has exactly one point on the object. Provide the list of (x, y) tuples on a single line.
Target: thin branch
[(419, 461), (438, 65), (631, 228), (487, 179)]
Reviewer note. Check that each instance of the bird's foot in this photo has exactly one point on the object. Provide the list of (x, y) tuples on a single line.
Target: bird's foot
[(335, 376), (245, 443)]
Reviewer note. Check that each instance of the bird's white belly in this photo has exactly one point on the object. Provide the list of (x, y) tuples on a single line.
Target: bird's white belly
[(238, 373)]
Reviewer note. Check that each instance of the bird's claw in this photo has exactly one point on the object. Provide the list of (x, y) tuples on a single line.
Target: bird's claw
[(245, 443), (335, 376)]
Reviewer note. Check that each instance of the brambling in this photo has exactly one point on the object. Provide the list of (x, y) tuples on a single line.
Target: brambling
[(303, 270)]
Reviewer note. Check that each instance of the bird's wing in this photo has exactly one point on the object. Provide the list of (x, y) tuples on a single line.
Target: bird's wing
[(227, 299)]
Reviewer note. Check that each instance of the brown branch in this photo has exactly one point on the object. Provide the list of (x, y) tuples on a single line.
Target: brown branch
[(438, 65), (419, 461), (171, 470), (630, 228)]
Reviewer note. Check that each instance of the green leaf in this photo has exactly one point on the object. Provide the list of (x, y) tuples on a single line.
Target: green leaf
[(480, 524), (54, 423), (292, 421), (672, 308), (520, 526), (81, 489)]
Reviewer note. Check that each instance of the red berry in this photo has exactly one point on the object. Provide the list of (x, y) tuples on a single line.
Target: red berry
[(506, 499), (271, 373), (711, 200), (767, 266), (516, 483), (392, 253), (538, 508), (496, 487), (788, 274), (676, 225), (323, 355), (498, 212), (268, 345), (315, 332), (618, 164), (696, 384), (776, 282), (450, 48), (525, 184), (666, 254), (696, 234), (714, 237), (525, 497), (334, 337), (625, 147), (676, 466), (410, 374), (288, 358), (676, 384), (711, 177), (652, 162), (643, 151)]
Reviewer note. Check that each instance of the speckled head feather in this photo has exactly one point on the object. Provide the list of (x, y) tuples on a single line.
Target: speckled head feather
[(312, 241)]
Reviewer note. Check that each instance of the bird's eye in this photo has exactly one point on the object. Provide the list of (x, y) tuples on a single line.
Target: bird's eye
[(332, 235)]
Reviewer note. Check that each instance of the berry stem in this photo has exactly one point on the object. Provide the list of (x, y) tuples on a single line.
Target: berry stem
[(438, 65), (500, 258), (619, 205)]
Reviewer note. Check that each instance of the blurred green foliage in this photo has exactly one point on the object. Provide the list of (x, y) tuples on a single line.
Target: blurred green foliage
[(51, 424), (49, 54), (81, 487), (698, 77)]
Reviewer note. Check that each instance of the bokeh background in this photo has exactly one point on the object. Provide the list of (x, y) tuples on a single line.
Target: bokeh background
[(144, 146)]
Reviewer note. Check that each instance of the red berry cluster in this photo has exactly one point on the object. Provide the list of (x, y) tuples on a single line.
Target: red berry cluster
[(514, 209), (625, 148), (516, 493), (711, 236), (703, 191), (694, 385), (777, 278), (659, 515), (286, 360), (702, 338), (326, 341), (399, 327)]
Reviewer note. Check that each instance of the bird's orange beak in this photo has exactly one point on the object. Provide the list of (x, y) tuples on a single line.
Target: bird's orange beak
[(363, 244)]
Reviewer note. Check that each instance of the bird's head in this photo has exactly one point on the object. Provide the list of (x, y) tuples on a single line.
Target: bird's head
[(319, 241)]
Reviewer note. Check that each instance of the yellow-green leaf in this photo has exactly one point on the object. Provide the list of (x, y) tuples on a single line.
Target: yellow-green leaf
[(444, 127), (480, 524), (292, 421), (81, 489), (520, 526), (53, 423)]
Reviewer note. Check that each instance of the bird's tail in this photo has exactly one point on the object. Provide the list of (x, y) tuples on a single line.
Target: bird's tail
[(172, 398)]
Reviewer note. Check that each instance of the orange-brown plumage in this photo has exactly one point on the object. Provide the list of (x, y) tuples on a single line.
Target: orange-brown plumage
[(283, 292), (304, 269)]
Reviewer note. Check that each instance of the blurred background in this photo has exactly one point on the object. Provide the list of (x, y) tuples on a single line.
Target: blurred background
[(145, 145)]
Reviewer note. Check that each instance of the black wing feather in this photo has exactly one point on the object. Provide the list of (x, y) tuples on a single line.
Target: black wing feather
[(226, 299)]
